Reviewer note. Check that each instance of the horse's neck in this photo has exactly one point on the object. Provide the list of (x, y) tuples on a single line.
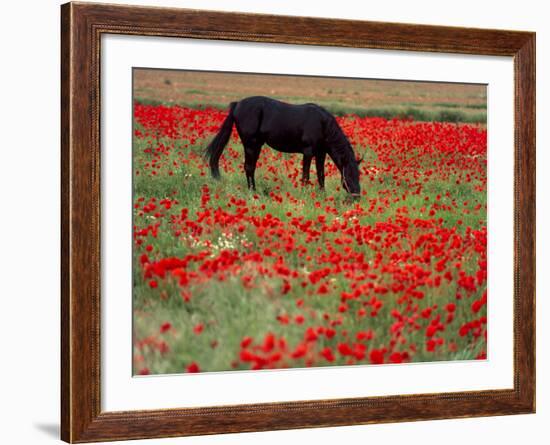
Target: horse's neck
[(342, 153), (340, 149), (338, 161)]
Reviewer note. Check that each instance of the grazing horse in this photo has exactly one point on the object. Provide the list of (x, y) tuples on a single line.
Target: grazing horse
[(307, 129)]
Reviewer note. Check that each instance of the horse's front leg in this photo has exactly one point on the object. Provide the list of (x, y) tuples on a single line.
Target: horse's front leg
[(320, 166), (306, 165), (251, 154)]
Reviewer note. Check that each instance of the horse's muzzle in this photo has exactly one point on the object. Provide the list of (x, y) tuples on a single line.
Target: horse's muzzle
[(353, 197)]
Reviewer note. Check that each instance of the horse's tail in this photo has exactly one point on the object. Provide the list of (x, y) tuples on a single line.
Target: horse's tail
[(215, 148)]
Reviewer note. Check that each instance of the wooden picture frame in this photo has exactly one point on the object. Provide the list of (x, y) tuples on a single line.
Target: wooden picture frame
[(82, 26)]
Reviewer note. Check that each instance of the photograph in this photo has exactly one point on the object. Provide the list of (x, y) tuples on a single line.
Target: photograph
[(290, 221)]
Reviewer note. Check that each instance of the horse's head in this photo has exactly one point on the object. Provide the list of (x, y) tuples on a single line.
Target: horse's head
[(350, 179)]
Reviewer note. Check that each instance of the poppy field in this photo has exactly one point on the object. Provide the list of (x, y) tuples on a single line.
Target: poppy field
[(286, 276)]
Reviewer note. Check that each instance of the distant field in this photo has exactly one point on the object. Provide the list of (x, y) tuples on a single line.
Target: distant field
[(421, 101)]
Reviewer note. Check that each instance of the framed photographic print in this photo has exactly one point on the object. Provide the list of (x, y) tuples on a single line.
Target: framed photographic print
[(276, 222)]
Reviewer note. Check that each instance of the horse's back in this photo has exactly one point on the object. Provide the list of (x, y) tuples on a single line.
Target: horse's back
[(283, 126), (277, 109)]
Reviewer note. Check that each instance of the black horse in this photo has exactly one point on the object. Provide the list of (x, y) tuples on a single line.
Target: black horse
[(307, 129)]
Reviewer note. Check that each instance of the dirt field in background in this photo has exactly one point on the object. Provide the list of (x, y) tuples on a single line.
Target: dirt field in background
[(201, 88)]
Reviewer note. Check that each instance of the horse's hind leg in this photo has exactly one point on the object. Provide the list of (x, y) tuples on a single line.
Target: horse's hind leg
[(306, 164), (251, 154), (320, 166)]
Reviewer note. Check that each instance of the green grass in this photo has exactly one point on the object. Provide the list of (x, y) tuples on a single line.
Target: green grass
[(195, 91)]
